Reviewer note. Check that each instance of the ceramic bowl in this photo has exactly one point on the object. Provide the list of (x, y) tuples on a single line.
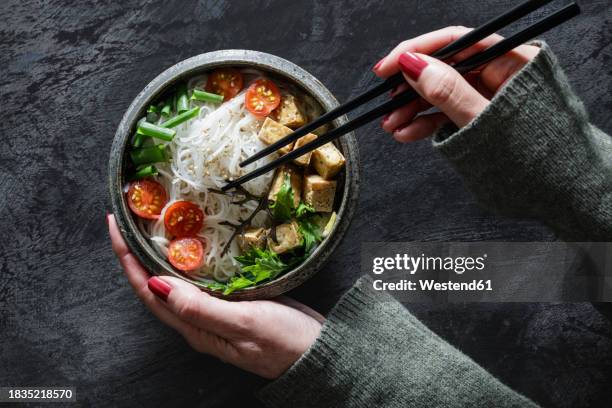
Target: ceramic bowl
[(348, 180)]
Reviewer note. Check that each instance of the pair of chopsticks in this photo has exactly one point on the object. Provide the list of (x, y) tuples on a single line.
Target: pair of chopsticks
[(409, 95)]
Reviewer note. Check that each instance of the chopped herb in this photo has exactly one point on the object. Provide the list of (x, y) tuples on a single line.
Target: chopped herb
[(304, 209), (282, 206), (311, 233)]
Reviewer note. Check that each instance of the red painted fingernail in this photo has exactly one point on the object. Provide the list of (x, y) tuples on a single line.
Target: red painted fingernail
[(378, 64), (411, 65), (159, 288)]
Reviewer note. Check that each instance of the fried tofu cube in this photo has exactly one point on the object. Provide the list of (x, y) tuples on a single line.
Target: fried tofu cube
[(272, 131), (288, 237), (295, 178), (319, 193), (252, 238), (289, 113), (304, 160), (327, 160)]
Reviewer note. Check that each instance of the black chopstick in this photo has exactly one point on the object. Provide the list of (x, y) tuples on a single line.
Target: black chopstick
[(446, 52), (465, 66)]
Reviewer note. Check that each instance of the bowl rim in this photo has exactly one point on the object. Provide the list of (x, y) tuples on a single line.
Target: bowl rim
[(185, 69)]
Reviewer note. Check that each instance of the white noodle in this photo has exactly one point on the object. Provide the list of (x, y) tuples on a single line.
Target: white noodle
[(204, 152)]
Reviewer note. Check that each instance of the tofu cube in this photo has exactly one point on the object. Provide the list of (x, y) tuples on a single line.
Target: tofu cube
[(289, 113), (252, 237), (272, 131), (288, 237), (327, 160), (319, 193), (304, 160), (295, 178)]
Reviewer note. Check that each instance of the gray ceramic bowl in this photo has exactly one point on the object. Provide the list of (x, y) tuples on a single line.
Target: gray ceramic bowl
[(348, 185)]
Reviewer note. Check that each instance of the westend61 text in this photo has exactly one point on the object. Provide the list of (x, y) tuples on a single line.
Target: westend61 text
[(432, 285)]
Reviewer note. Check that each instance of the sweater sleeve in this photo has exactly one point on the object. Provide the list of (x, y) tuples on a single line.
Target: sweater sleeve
[(373, 353), (533, 153)]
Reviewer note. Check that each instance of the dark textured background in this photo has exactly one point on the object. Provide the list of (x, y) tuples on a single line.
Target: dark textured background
[(68, 71)]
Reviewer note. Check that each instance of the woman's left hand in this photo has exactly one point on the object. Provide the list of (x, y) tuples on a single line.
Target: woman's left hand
[(459, 99), (264, 337)]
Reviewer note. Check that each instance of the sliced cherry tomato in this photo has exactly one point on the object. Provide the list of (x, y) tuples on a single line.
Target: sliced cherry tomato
[(183, 219), (146, 198), (186, 254), (262, 97), (225, 81)]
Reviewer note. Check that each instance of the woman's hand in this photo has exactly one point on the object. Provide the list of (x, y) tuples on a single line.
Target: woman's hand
[(460, 99), (264, 337)]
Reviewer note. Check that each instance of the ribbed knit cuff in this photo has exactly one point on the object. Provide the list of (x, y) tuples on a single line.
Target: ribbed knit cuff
[(533, 153)]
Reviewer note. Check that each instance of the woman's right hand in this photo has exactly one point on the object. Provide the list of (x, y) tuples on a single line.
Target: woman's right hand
[(460, 99)]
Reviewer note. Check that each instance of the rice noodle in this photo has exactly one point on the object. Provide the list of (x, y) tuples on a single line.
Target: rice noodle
[(204, 153)]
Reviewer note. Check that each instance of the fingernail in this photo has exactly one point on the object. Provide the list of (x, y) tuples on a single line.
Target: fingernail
[(378, 64), (159, 288), (411, 65), (385, 119)]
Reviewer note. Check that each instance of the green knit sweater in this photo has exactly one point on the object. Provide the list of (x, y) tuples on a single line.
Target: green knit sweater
[(532, 153)]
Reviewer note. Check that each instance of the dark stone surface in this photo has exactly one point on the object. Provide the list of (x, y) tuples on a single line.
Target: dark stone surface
[(70, 69)]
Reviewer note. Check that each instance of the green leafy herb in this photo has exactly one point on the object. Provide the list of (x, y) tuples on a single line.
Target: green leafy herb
[(311, 233), (282, 206), (303, 209), (237, 282), (261, 264)]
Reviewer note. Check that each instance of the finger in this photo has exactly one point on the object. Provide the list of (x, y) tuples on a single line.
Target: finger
[(136, 274), (498, 71), (202, 310), (476, 48), (420, 128), (403, 87), (425, 44), (403, 115), (287, 301), (138, 277), (443, 87)]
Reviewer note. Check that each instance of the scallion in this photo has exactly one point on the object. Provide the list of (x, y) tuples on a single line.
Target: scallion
[(137, 139), (182, 102), (166, 110), (183, 117), (144, 171), (149, 154), (206, 96), (151, 130)]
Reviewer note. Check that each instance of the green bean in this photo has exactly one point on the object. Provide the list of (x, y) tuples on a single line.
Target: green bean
[(183, 117), (151, 130), (182, 102), (144, 171), (149, 154), (167, 108), (206, 96)]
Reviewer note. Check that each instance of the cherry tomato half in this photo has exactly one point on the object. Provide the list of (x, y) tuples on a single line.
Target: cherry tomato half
[(225, 81), (186, 254), (183, 219), (262, 97), (146, 198)]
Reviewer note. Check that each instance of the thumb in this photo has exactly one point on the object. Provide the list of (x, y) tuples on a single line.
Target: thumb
[(443, 87)]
